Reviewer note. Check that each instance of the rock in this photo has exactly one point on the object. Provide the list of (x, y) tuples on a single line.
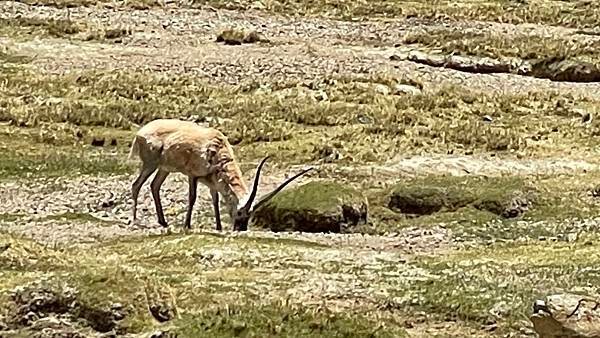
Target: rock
[(4, 247), (382, 89), (406, 89), (163, 334), (34, 303), (314, 207), (566, 316), (161, 312)]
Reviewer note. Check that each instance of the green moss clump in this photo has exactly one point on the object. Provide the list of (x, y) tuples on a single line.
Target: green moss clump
[(425, 199), (506, 197), (314, 207)]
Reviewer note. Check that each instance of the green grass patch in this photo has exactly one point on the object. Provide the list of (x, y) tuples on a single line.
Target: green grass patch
[(198, 288), (9, 57), (226, 285), (291, 123), (284, 321), (501, 282), (75, 216), (56, 150), (473, 206), (4, 217), (69, 162)]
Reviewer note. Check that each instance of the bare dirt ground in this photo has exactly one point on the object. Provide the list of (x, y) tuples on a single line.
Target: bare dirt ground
[(168, 40)]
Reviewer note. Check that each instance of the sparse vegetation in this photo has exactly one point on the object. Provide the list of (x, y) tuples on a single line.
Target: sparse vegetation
[(497, 44), (576, 14), (448, 118), (234, 36), (442, 247), (55, 27)]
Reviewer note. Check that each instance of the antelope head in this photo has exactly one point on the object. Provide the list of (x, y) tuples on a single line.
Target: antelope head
[(249, 204)]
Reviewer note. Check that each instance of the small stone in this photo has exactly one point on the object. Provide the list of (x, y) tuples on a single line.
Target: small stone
[(406, 89), (571, 237), (382, 89)]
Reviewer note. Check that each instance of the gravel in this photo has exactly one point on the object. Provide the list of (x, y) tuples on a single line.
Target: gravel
[(304, 49)]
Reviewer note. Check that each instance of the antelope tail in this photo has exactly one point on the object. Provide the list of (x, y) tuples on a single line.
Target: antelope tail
[(134, 151)]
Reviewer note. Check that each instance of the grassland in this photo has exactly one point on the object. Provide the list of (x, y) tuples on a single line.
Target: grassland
[(67, 120)]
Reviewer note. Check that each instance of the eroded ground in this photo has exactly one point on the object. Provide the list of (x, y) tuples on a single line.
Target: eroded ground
[(323, 88)]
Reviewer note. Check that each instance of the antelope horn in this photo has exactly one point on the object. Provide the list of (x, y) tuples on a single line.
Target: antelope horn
[(272, 194), (255, 184)]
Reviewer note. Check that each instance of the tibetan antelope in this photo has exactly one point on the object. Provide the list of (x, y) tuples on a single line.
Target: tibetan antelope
[(204, 155)]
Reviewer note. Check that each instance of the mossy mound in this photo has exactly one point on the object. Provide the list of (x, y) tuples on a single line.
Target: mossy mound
[(314, 207), (507, 198), (426, 199)]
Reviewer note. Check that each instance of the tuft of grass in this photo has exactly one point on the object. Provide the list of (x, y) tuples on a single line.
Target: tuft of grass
[(313, 207), (232, 36), (9, 58), (499, 45), (113, 34), (27, 155), (59, 28), (75, 216)]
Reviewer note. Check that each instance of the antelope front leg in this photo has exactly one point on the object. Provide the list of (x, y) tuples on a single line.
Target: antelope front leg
[(215, 199), (193, 186), (158, 180)]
